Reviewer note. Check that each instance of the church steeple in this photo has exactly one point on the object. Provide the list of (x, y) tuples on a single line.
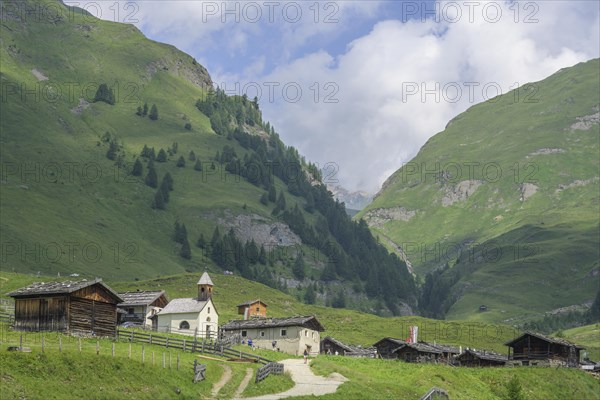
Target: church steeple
[(205, 287)]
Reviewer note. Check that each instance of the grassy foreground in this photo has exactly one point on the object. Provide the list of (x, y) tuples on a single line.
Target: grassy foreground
[(94, 373), (385, 379)]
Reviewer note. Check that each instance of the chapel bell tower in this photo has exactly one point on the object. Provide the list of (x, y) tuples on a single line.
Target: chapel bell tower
[(205, 287)]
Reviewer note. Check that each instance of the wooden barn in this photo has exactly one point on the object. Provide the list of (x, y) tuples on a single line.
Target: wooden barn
[(330, 345), (141, 307), (536, 349), (82, 307), (475, 358), (418, 352), (254, 308), (386, 346)]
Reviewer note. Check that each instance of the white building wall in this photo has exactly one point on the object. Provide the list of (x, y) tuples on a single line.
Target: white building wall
[(295, 340), (200, 323)]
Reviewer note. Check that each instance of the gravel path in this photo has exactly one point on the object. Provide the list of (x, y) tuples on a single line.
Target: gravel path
[(307, 383)]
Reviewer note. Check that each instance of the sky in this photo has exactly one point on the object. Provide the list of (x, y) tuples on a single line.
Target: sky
[(359, 86)]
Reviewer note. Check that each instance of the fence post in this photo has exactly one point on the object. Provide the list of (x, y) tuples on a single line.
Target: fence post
[(97, 347), (113, 349), (164, 360), (178, 361), (143, 354), (59, 343), (167, 343), (169, 360), (79, 343), (43, 342), (183, 344), (129, 349), (153, 359), (150, 340)]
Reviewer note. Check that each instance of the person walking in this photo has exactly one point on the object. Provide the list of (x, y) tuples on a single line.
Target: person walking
[(305, 356)]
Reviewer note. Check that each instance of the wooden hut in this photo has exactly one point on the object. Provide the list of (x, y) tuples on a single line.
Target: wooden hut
[(254, 308), (141, 307), (387, 345), (475, 358), (83, 307), (532, 348), (418, 352), (330, 345)]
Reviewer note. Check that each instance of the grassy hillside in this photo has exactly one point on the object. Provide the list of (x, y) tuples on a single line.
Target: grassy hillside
[(587, 336), (511, 189), (381, 379), (72, 204)]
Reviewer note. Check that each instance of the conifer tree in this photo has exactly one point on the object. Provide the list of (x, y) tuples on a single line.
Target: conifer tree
[(310, 296), (201, 243), (298, 268), (151, 178), (159, 202), (104, 94), (139, 111), (153, 113), (181, 162), (145, 109), (162, 156), (198, 166), (169, 179), (186, 252), (192, 156), (137, 169), (272, 194)]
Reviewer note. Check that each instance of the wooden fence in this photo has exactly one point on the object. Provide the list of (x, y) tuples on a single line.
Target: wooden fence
[(199, 371), (270, 368), (435, 394), (192, 345)]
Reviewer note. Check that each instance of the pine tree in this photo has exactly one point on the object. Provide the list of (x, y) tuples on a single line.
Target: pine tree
[(152, 154), (159, 202), (186, 252), (145, 110), (310, 296), (201, 243), (162, 156), (272, 194), (113, 148), (145, 151), (164, 188), (298, 268), (198, 166), (514, 390), (192, 156), (181, 162), (188, 126), (169, 179), (151, 178), (104, 94), (262, 256), (339, 301), (137, 169), (139, 111), (153, 113)]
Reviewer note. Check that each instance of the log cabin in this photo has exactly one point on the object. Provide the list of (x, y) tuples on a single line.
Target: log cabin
[(254, 308), (536, 349), (141, 307), (387, 345), (475, 358), (75, 307)]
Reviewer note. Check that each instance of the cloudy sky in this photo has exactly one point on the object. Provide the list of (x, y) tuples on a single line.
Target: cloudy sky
[(359, 86)]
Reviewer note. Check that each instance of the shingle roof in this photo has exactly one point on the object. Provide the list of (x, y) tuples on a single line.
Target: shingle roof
[(65, 287), (546, 338), (445, 348), (177, 306), (139, 298), (248, 303), (310, 322), (420, 347), (338, 343), (205, 280), (399, 342), (485, 355)]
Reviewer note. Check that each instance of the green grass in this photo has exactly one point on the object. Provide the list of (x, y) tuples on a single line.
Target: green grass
[(386, 379), (556, 228), (587, 336), (71, 374)]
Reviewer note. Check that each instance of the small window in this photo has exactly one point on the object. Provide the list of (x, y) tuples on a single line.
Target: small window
[(257, 309), (262, 333), (209, 310), (283, 332), (313, 335), (207, 319), (306, 333), (244, 333), (184, 325)]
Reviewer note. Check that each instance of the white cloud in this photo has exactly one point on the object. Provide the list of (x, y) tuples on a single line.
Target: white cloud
[(373, 129)]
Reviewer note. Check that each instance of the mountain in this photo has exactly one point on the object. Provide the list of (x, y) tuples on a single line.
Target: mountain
[(120, 160), (501, 208), (356, 200)]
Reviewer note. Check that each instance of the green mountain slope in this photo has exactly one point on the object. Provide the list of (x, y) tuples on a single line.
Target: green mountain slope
[(503, 204), (75, 132)]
